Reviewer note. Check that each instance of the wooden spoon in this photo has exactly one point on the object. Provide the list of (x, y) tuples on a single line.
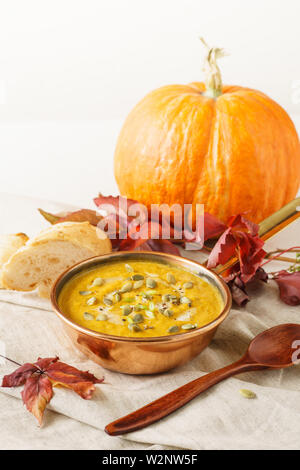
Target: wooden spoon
[(273, 348)]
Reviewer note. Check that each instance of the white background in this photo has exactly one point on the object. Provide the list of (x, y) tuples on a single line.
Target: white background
[(70, 71)]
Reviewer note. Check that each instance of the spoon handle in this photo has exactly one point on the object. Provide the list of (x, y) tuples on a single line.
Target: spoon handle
[(172, 401)]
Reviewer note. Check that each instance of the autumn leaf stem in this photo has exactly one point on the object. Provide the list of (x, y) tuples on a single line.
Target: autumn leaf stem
[(279, 254), (11, 360), (291, 250), (287, 260)]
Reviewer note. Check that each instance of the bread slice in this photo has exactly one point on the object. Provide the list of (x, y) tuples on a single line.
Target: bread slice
[(45, 257), (9, 244)]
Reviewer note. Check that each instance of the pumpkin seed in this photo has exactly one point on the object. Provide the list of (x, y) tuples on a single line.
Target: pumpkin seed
[(98, 281), (118, 297), (188, 285), (139, 307), (161, 308), (137, 277), (127, 287), (138, 284), (128, 268), (127, 309), (167, 312), (166, 298), (149, 314), (85, 292), (146, 297), (102, 317), (151, 283), (88, 316), (171, 278), (107, 301), (91, 301), (189, 326), (173, 329), (138, 318), (134, 327), (247, 393), (185, 300), (151, 306)]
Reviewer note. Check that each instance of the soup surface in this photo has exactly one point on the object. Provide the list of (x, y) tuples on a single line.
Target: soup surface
[(140, 299)]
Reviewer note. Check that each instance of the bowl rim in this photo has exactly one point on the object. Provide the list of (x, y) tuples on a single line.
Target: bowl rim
[(85, 264)]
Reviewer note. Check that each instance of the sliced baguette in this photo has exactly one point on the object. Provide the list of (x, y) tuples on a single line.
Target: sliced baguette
[(43, 258), (9, 244)]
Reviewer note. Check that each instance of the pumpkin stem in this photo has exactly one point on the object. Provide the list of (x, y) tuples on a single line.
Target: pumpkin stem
[(213, 79)]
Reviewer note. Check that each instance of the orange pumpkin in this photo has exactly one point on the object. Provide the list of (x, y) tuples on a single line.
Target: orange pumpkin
[(228, 147)]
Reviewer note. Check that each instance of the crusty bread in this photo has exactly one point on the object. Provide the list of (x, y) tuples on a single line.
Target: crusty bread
[(9, 244), (43, 258)]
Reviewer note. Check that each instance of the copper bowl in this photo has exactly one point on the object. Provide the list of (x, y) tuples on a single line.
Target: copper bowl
[(141, 355)]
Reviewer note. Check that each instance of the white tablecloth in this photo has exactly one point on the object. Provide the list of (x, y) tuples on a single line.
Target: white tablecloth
[(218, 419)]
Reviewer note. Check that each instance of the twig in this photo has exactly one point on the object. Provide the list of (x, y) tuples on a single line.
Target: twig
[(281, 253), (7, 358), (285, 258)]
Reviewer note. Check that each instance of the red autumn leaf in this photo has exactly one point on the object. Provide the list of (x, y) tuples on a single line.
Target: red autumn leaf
[(238, 291), (115, 227), (145, 246), (240, 223), (251, 255), (37, 394), (140, 239), (19, 376), (238, 288), (79, 381), (119, 224), (289, 287), (212, 226), (260, 275), (118, 217), (44, 363), (139, 234), (164, 246), (82, 215), (171, 232), (113, 201), (121, 206), (223, 250), (240, 239), (41, 376)]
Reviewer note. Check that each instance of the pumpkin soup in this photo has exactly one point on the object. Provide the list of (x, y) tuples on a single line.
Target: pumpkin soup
[(140, 299)]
